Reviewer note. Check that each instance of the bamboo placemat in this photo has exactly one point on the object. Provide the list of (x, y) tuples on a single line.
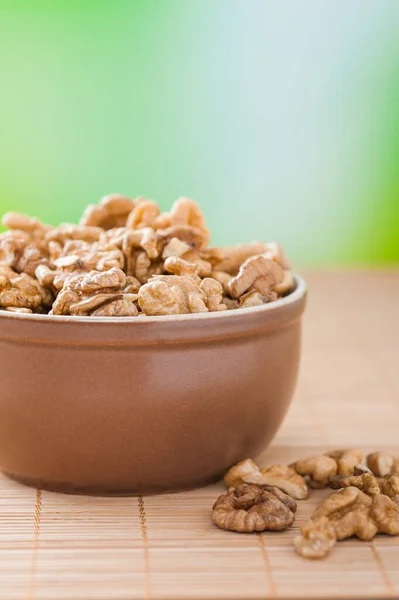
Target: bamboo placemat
[(60, 547)]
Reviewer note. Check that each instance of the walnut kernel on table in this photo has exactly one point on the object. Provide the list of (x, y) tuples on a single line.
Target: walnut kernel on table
[(371, 485), (165, 257), (382, 463), (250, 508), (346, 460), (318, 470), (280, 476), (349, 512)]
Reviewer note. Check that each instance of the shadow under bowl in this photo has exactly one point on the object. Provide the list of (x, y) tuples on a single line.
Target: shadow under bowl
[(143, 406)]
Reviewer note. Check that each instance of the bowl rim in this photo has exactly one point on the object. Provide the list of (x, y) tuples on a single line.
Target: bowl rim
[(299, 292)]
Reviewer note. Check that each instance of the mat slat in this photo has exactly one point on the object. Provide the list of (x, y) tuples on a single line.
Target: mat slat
[(59, 547)]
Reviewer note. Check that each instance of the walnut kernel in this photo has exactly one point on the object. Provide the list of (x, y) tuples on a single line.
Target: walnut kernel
[(381, 463), (253, 508), (256, 273), (319, 470), (281, 476)]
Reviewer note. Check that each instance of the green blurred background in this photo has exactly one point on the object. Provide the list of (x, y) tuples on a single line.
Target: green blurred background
[(280, 117)]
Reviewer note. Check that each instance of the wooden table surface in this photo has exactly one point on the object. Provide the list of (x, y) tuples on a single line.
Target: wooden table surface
[(60, 547)]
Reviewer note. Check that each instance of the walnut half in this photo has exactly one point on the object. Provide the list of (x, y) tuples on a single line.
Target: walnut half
[(281, 476), (256, 273), (250, 508), (346, 460), (96, 294), (381, 463), (318, 470)]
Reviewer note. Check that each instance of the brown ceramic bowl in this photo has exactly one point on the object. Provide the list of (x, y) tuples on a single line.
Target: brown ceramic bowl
[(140, 406)]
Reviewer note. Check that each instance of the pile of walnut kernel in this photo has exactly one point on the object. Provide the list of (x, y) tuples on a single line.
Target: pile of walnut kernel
[(367, 502), (126, 258)]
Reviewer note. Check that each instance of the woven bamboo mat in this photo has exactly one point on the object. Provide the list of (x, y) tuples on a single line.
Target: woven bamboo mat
[(60, 547)]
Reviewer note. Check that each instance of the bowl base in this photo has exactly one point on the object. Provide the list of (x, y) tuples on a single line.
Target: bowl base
[(104, 490)]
